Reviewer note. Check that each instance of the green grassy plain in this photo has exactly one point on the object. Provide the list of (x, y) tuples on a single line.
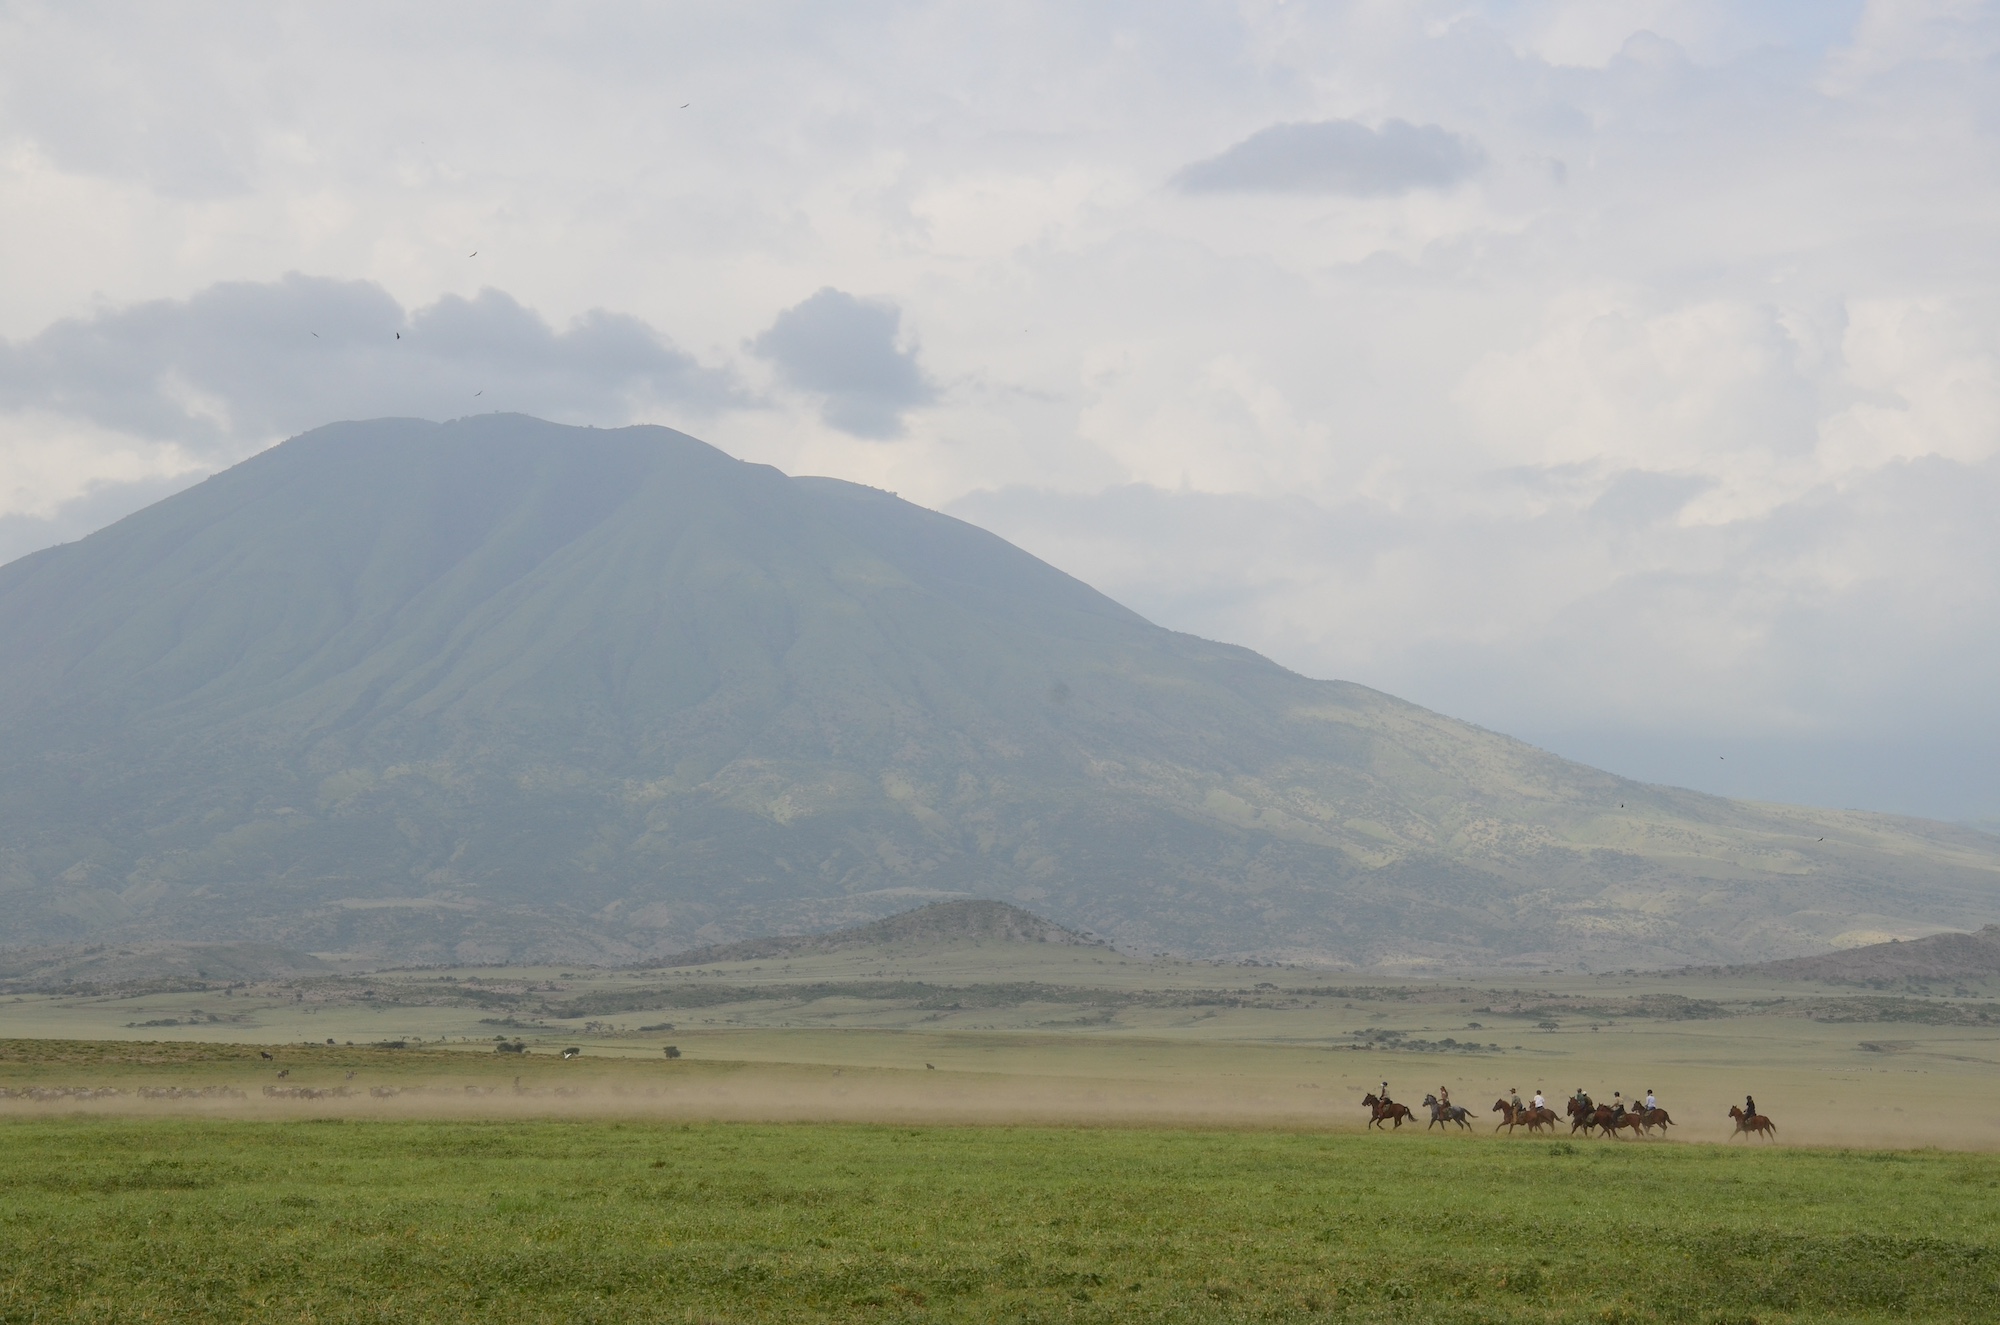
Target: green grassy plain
[(989, 1134), (190, 1219)]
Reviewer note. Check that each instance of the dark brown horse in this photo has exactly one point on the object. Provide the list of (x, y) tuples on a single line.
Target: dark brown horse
[(1585, 1118), (1655, 1118), (1635, 1120), (1509, 1117), (1384, 1109), (1755, 1124)]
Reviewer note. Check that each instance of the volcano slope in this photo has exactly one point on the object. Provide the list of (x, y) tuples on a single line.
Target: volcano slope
[(500, 689)]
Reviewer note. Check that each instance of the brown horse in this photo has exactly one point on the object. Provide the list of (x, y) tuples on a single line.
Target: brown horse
[(1382, 1109), (1509, 1119), (1655, 1118), (1537, 1119), (1584, 1118), (1634, 1120), (1754, 1124)]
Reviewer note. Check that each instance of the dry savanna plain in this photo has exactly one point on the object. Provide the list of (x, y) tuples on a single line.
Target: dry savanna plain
[(997, 1131)]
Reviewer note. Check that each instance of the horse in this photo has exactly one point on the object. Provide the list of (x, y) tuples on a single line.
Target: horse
[(1508, 1119), (1584, 1116), (1635, 1119), (1537, 1119), (1655, 1118), (1752, 1124), (1444, 1114), (1382, 1109)]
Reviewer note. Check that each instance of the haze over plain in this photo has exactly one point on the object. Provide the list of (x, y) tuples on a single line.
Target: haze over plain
[(1619, 376)]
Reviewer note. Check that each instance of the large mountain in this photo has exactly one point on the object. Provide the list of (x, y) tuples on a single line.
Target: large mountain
[(498, 688)]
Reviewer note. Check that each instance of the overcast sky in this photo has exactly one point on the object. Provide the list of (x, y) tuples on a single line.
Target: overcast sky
[(1620, 374)]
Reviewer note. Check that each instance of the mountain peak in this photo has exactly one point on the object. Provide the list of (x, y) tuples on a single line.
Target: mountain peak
[(501, 689)]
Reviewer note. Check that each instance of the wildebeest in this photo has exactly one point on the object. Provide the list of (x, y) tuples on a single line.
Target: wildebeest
[(673, 1052), (570, 1053), (264, 1053)]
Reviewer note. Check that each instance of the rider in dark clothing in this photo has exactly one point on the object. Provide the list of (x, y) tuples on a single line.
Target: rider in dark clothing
[(1749, 1106)]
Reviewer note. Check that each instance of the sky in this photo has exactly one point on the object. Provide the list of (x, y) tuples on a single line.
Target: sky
[(1623, 375)]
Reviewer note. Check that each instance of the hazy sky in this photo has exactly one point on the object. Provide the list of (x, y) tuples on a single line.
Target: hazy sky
[(1622, 374)]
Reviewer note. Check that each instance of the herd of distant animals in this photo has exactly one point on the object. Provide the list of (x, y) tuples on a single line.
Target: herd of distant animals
[(1584, 1115)]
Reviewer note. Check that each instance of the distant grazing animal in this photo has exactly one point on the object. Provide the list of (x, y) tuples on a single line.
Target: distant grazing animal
[(1755, 1124), (570, 1053), (930, 1067), (1384, 1109), (284, 1072), (263, 1053), (350, 1076)]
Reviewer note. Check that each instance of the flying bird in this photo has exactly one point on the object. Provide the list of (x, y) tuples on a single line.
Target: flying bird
[(480, 392), (399, 335), (315, 335), (686, 104), (473, 254)]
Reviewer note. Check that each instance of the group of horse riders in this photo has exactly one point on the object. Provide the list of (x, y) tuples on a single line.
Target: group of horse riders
[(1584, 1112)]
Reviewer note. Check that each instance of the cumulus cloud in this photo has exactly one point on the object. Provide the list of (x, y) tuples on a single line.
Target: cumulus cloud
[(1337, 156), (1659, 408), (245, 363), (846, 350)]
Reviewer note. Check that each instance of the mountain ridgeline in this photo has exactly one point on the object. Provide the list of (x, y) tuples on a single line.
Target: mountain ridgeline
[(500, 689)]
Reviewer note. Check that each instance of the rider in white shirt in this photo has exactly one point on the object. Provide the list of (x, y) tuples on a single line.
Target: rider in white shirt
[(1539, 1101), (1651, 1103)]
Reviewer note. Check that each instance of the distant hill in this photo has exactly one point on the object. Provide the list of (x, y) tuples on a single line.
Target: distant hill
[(108, 965), (503, 690), (939, 925), (1935, 957)]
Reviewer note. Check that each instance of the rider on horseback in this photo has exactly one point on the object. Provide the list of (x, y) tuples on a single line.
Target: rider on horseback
[(1749, 1107), (1515, 1093), (1540, 1102), (1651, 1102), (1617, 1104)]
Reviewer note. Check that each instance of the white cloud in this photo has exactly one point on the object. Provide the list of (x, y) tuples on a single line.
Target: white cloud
[(1671, 420)]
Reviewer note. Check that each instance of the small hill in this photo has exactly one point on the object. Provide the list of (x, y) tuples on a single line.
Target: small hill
[(939, 925), (1937, 957), (86, 966)]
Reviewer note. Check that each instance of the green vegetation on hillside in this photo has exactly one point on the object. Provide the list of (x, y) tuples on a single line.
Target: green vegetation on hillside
[(501, 690), (408, 1221)]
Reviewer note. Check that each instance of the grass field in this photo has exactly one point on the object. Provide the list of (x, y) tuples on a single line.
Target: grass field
[(986, 1134), (193, 1219)]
